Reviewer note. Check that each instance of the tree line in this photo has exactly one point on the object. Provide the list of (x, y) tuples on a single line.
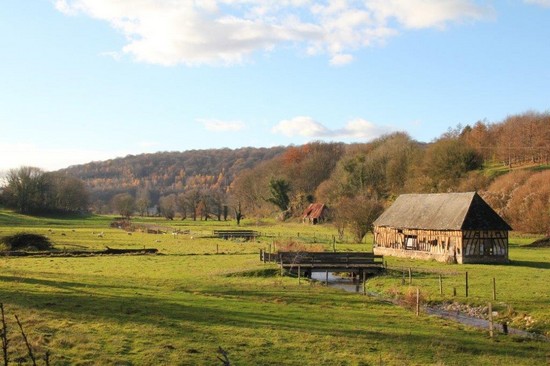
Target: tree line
[(30, 190), (357, 181)]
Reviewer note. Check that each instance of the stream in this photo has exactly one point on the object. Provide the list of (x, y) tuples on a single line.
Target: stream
[(354, 285)]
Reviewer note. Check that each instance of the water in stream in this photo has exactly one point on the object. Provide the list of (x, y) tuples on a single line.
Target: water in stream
[(351, 284), (348, 284)]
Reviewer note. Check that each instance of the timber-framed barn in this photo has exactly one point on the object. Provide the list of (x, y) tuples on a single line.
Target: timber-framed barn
[(447, 227)]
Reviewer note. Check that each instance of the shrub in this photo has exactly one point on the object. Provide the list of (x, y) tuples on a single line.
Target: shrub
[(25, 241), (293, 246)]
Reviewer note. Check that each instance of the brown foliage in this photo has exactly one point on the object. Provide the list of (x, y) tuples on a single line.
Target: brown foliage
[(357, 214), (294, 246), (530, 204), (522, 198)]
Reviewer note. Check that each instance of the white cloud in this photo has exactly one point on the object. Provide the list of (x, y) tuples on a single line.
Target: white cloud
[(356, 129), (545, 3), (360, 129), (300, 126), (170, 32), (216, 125), (427, 13)]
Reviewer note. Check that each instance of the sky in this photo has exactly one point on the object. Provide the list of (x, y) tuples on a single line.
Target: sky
[(91, 80)]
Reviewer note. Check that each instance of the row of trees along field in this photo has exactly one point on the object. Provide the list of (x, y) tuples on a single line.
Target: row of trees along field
[(30, 190), (504, 161)]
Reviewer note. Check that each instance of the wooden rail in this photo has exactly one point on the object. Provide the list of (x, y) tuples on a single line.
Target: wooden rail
[(233, 234), (329, 261)]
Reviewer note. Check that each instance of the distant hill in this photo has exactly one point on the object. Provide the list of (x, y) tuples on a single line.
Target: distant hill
[(167, 172)]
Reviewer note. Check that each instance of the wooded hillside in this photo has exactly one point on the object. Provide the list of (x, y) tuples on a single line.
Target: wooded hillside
[(484, 157), (164, 173)]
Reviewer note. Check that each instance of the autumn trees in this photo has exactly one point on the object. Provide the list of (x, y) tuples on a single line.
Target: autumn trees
[(283, 181), (519, 139), (522, 198)]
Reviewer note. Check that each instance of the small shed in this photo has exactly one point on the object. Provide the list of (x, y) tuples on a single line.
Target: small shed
[(316, 213), (447, 227)]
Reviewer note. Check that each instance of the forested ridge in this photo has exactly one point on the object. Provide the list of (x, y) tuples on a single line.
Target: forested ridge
[(163, 173), (506, 162)]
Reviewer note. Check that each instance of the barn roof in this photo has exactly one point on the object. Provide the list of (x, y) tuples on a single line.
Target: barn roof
[(314, 211), (442, 211)]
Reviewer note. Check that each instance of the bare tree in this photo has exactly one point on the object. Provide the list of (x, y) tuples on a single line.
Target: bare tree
[(124, 204), (168, 206)]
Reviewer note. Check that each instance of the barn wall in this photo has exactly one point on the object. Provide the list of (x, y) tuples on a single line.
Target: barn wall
[(485, 246), (422, 244), (451, 246)]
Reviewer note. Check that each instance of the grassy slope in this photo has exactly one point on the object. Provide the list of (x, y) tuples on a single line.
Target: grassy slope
[(495, 169), (179, 307)]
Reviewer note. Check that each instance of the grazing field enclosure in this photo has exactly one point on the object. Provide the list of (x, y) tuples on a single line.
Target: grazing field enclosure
[(200, 293)]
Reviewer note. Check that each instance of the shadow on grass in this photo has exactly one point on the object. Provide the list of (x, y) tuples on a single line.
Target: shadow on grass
[(264, 273), (207, 312), (531, 264)]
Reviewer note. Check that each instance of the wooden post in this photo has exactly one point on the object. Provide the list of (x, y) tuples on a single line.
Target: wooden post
[(217, 249), (494, 289), (326, 277), (403, 279), (491, 325), (440, 285), (333, 243), (417, 301), (466, 278), (364, 283), (299, 275), (454, 291), (410, 276), (282, 269)]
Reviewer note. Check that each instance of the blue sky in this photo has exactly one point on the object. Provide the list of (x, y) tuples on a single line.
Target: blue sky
[(85, 80)]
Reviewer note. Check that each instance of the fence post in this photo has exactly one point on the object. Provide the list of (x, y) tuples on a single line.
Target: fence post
[(466, 283), (494, 289), (410, 276), (299, 275), (440, 285), (491, 325), (326, 277), (403, 278), (364, 283)]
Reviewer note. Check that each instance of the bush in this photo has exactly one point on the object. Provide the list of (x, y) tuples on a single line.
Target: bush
[(25, 241)]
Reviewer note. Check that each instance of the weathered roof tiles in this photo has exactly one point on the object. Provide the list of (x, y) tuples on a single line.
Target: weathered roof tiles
[(442, 211)]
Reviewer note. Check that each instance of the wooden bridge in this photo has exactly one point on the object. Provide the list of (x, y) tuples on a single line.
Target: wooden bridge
[(307, 262), (236, 234)]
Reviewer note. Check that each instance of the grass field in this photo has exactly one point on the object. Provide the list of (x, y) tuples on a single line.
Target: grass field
[(179, 307)]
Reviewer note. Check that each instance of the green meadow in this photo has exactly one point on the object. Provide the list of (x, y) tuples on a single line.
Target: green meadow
[(202, 293)]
